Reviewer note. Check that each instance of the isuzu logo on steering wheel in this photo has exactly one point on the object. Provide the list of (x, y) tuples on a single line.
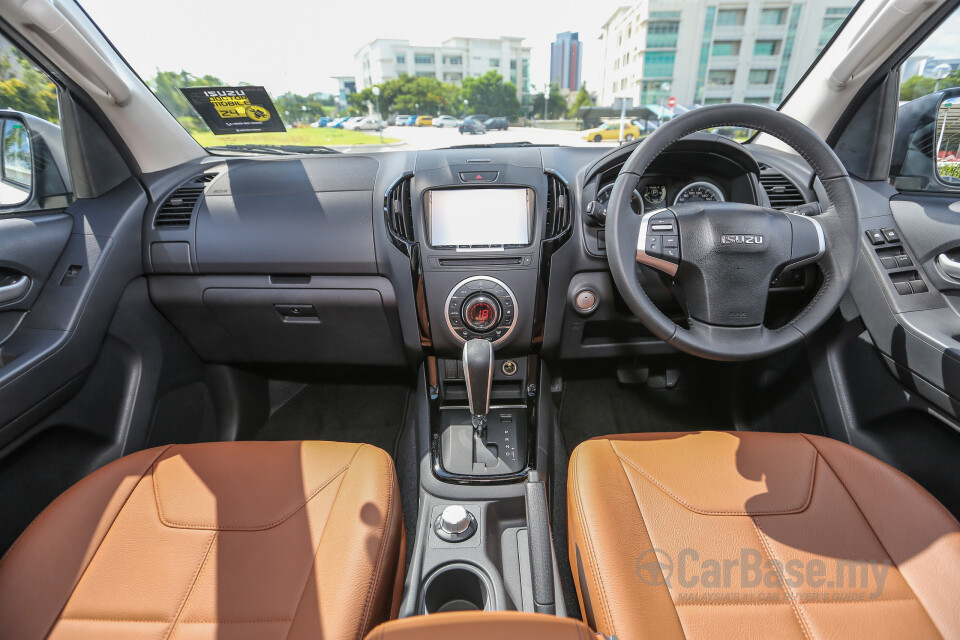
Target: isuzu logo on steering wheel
[(740, 239)]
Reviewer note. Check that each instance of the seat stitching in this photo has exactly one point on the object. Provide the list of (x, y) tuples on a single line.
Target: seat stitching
[(93, 557), (643, 520), (784, 604), (193, 583), (591, 555), (135, 621), (798, 509), (215, 527), (872, 530), (384, 537), (797, 612), (317, 550)]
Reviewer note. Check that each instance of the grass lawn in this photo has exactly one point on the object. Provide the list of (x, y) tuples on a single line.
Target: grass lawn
[(305, 136)]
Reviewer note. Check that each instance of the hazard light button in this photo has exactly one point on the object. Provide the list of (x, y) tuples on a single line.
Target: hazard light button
[(479, 176)]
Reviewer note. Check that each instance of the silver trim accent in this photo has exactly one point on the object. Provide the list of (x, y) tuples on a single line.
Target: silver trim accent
[(479, 420), (642, 256), (513, 298), (949, 266), (18, 288), (701, 183), (820, 239)]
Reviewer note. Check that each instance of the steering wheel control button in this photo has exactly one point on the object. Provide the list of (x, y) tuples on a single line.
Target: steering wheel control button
[(653, 246), (585, 301), (455, 524), (876, 236)]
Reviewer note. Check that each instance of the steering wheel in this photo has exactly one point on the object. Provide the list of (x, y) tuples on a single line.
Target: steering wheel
[(723, 255)]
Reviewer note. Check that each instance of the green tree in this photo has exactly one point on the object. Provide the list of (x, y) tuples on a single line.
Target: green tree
[(166, 85), (293, 107), (489, 94), (583, 99), (404, 94), (30, 91), (556, 104), (919, 86)]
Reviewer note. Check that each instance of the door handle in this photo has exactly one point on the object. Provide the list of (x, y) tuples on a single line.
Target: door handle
[(949, 266), (15, 289)]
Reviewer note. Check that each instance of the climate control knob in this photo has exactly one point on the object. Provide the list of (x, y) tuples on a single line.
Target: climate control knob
[(481, 312)]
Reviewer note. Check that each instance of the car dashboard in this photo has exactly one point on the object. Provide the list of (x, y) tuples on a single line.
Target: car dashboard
[(382, 259)]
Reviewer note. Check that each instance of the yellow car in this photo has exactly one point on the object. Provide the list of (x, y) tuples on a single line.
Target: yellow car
[(423, 121), (611, 131)]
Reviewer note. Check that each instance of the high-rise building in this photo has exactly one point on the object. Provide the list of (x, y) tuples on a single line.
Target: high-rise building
[(454, 60), (714, 51), (566, 61)]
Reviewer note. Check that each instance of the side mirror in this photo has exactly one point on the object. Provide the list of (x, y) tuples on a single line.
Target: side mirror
[(16, 162), (33, 163), (926, 145)]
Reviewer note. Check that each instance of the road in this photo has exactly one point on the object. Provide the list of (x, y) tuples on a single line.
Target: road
[(435, 138)]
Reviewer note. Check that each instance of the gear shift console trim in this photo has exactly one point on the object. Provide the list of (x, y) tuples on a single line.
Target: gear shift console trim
[(478, 374)]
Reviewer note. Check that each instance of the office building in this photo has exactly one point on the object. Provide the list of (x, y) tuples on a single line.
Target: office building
[(566, 61), (714, 51), (452, 61)]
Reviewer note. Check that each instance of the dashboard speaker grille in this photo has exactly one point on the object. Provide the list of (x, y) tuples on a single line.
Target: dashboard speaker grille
[(783, 194), (398, 210), (558, 207)]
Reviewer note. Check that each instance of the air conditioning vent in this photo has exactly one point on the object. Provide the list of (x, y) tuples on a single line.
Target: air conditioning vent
[(558, 207), (177, 210), (398, 212), (783, 194)]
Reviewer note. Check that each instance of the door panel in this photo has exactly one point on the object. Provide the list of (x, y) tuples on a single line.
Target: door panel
[(29, 248), (81, 261)]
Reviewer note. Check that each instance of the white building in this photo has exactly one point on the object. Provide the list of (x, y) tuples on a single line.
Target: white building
[(454, 60), (714, 51)]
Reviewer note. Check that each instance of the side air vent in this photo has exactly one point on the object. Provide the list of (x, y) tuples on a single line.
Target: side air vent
[(783, 194), (398, 212), (558, 207), (177, 210)]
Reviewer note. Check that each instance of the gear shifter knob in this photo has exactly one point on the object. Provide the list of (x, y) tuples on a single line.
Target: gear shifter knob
[(478, 372)]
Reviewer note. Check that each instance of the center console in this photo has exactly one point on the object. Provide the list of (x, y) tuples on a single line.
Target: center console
[(480, 229)]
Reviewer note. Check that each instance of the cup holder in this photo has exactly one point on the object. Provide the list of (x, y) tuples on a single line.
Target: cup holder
[(457, 587)]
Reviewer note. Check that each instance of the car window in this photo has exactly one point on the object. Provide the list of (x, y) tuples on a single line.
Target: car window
[(930, 96), (564, 72), (29, 127)]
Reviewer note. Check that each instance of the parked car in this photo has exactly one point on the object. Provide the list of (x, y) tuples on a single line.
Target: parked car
[(338, 123), (352, 123), (423, 121), (611, 131), (479, 117), (445, 121), (469, 125), (411, 121), (401, 120), (322, 122), (501, 124), (366, 123)]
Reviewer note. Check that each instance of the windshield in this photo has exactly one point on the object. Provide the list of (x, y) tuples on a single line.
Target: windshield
[(289, 76)]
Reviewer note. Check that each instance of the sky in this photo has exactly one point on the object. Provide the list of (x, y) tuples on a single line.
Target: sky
[(297, 45)]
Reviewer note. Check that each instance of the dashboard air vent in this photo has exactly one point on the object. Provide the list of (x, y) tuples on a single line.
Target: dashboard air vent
[(177, 209), (558, 207), (783, 194), (398, 210)]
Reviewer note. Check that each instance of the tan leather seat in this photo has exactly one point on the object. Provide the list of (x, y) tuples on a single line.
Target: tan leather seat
[(483, 625), (221, 540), (757, 535)]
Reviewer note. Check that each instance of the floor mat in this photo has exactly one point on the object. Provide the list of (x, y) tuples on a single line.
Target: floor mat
[(343, 413), (597, 407)]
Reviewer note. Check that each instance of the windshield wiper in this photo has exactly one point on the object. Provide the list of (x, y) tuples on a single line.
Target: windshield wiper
[(493, 145), (279, 149)]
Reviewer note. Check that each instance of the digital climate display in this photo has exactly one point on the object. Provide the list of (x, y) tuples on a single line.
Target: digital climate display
[(471, 217)]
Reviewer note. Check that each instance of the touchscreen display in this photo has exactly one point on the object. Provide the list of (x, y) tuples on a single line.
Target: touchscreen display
[(461, 217)]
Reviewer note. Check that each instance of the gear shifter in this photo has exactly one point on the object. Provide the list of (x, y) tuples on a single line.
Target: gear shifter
[(478, 372)]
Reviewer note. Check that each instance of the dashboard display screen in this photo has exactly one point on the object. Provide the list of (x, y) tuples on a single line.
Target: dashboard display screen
[(471, 217)]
